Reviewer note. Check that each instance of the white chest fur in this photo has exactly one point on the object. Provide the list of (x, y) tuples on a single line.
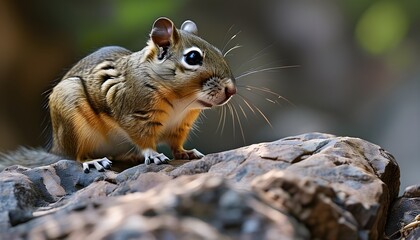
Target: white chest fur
[(178, 112)]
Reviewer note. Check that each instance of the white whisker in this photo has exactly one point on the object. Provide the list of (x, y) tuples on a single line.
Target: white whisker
[(233, 117), (231, 49), (224, 38), (224, 119), (246, 102), (256, 56), (252, 106), (266, 90), (242, 110), (263, 115), (275, 102), (240, 123), (230, 40), (221, 117), (265, 70)]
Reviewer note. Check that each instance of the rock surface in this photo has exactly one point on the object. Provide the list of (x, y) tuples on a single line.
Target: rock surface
[(404, 215), (304, 187)]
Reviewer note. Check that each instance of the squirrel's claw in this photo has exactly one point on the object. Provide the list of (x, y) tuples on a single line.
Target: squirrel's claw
[(99, 164), (188, 154), (151, 156)]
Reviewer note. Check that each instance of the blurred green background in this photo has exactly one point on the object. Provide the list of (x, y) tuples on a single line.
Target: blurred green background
[(359, 71)]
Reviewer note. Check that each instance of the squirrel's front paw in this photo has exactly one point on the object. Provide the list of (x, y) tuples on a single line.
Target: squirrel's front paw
[(188, 154), (99, 164), (155, 157)]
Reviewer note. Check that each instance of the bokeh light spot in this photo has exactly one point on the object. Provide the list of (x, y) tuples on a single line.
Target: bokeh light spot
[(382, 27)]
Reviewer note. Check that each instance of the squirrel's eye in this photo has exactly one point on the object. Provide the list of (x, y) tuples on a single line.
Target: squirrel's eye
[(193, 58)]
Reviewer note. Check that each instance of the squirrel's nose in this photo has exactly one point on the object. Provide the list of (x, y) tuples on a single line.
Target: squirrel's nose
[(230, 90)]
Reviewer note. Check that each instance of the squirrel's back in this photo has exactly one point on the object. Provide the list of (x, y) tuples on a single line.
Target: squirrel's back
[(31, 157), (86, 65)]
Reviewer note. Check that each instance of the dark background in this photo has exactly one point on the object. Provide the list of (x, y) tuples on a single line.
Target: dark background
[(359, 71)]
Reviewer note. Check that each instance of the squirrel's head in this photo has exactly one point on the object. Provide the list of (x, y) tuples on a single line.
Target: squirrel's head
[(187, 66)]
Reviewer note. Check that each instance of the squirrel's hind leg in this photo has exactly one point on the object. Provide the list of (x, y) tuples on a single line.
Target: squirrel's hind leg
[(99, 164)]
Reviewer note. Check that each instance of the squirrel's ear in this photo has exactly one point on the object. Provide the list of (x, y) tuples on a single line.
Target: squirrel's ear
[(189, 26), (163, 32)]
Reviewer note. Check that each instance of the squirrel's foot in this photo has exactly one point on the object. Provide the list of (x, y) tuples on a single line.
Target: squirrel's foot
[(188, 154), (99, 164), (155, 157)]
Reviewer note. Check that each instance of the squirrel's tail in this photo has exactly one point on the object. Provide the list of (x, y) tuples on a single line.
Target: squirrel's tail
[(28, 158)]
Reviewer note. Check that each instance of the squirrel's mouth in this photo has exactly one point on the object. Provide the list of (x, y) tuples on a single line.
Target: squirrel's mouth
[(224, 101), (210, 105), (205, 104)]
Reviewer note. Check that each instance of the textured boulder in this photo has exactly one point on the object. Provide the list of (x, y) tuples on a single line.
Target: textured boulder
[(308, 186)]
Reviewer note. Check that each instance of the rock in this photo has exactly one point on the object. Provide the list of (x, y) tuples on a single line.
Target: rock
[(412, 192), (308, 186), (404, 215), (317, 206)]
